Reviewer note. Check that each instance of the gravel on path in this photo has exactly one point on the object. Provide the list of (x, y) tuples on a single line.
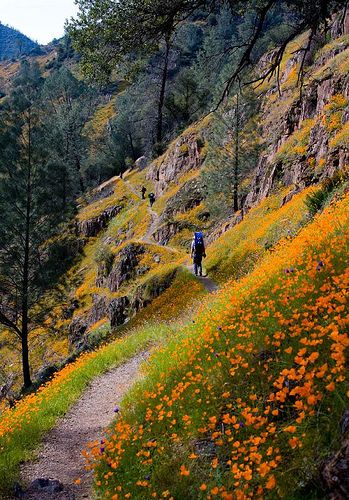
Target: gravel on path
[(60, 456)]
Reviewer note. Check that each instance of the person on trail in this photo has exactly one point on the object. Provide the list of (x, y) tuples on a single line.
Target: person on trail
[(143, 191), (151, 197), (198, 252)]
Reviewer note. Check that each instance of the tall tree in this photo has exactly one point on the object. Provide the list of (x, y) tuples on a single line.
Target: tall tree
[(233, 151), (29, 208), (109, 33), (107, 30), (68, 105)]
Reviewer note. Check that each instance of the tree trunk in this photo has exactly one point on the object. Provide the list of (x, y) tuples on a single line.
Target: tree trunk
[(159, 128), (134, 156), (25, 283), (25, 357), (236, 160)]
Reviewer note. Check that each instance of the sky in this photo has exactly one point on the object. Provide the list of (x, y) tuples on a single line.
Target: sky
[(41, 20)]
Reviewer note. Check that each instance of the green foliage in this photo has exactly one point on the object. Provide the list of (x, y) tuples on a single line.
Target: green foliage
[(233, 149), (104, 257), (316, 201)]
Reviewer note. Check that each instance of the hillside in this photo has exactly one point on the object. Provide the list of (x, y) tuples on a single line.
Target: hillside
[(244, 389), (14, 44)]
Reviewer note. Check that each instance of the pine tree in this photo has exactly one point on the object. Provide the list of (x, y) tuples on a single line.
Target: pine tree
[(67, 106), (30, 213)]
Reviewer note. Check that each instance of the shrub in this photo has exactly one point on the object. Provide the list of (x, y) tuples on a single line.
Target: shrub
[(104, 257)]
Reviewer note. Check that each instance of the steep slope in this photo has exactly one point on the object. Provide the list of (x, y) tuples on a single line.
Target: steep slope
[(131, 272), (247, 404), (14, 44), (131, 254)]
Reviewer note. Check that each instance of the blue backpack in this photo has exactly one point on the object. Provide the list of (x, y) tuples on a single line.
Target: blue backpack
[(199, 242)]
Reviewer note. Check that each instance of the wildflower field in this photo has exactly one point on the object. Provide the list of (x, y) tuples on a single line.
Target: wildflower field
[(246, 402)]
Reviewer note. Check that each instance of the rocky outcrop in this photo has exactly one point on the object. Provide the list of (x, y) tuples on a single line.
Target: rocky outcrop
[(182, 156), (148, 291), (91, 227), (141, 163), (103, 191), (126, 266), (77, 331), (310, 105), (168, 230), (117, 311), (187, 198), (99, 308)]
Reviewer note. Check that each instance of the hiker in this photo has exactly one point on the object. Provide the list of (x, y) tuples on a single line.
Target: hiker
[(151, 197), (143, 191), (198, 252)]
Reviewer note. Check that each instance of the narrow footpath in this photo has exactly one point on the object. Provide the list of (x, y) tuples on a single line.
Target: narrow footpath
[(208, 283), (59, 471), (60, 459)]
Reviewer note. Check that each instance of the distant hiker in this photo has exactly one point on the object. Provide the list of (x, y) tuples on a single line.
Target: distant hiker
[(143, 191), (198, 252), (151, 197)]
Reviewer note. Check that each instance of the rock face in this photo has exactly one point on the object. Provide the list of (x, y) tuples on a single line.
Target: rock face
[(117, 311), (91, 227), (298, 172), (141, 163), (99, 309), (187, 198), (77, 331), (183, 156), (126, 266), (168, 230)]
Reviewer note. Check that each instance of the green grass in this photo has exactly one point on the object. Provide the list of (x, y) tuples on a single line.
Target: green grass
[(234, 364), (238, 250), (20, 445)]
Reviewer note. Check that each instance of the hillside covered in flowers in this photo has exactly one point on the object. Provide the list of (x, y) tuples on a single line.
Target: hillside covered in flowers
[(243, 392)]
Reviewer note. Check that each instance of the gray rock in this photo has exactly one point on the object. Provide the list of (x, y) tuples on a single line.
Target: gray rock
[(77, 331), (91, 227), (99, 309), (125, 267), (117, 311), (44, 485), (141, 163), (182, 157)]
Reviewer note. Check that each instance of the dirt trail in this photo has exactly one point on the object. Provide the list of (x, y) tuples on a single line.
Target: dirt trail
[(209, 284), (60, 456)]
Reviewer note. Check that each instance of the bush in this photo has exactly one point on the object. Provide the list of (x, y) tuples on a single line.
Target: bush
[(104, 257), (316, 201)]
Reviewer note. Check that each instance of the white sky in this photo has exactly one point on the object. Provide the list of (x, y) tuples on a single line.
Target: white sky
[(41, 20)]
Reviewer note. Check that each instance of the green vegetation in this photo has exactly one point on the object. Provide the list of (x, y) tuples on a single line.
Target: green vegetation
[(22, 429), (234, 406), (14, 44)]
